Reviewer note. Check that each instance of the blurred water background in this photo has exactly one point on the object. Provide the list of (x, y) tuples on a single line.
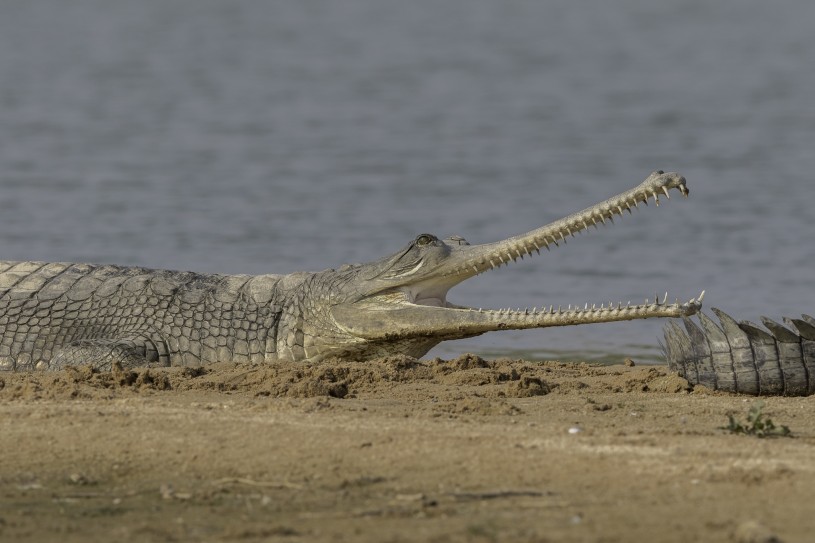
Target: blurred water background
[(255, 136)]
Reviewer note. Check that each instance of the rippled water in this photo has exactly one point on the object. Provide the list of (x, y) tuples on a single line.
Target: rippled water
[(252, 137)]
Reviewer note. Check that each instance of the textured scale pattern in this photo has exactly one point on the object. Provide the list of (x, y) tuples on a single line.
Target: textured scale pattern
[(57, 314), (744, 357)]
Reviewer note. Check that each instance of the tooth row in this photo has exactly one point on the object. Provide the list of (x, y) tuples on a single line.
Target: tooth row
[(579, 225), (607, 212), (576, 309)]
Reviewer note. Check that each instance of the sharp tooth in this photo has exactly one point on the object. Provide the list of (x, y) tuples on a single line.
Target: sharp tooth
[(667, 194), (475, 269), (587, 307), (665, 299), (701, 296), (551, 307)]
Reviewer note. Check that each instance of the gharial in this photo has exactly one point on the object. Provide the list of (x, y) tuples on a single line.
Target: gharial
[(744, 357), (58, 314)]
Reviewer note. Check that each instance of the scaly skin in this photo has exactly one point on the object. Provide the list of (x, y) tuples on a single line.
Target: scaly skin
[(743, 357), (52, 315)]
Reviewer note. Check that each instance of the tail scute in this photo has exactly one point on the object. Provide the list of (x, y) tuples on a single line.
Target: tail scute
[(742, 356)]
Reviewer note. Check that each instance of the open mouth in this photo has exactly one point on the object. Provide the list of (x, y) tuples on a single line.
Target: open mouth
[(428, 294), (436, 297), (418, 307), (469, 260)]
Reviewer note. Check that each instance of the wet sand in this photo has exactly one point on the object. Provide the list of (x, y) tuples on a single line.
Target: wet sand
[(396, 450)]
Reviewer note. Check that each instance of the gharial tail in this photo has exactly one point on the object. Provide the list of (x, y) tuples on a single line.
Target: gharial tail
[(743, 357)]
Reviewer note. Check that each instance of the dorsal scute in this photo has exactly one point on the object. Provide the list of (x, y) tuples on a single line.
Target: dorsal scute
[(677, 342), (697, 337), (679, 351), (735, 335), (756, 333), (715, 335), (780, 332), (805, 329)]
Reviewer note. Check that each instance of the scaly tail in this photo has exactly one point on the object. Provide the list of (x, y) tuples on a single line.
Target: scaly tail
[(743, 357)]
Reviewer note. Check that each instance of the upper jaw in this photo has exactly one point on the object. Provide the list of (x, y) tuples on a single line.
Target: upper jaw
[(471, 260)]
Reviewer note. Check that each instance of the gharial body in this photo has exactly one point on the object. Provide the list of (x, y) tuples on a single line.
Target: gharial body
[(58, 314)]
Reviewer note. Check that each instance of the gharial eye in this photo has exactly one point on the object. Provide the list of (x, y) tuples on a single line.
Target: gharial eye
[(424, 239)]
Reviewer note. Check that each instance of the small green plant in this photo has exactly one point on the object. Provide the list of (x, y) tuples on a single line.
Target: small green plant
[(758, 424)]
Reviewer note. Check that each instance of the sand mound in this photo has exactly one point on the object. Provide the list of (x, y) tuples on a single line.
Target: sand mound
[(398, 376)]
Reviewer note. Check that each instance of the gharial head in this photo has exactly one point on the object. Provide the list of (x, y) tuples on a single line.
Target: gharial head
[(398, 304)]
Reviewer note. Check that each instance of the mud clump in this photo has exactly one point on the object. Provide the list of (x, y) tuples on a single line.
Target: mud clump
[(388, 377), (332, 382), (528, 387)]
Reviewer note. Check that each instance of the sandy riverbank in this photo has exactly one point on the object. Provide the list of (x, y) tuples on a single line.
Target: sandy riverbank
[(396, 450)]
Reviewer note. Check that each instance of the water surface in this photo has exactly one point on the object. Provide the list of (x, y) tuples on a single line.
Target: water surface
[(269, 137)]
